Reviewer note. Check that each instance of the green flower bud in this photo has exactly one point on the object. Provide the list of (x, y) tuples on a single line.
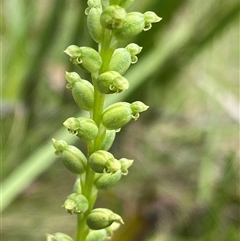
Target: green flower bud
[(108, 139), (58, 237), (103, 161), (122, 58), (132, 25), (111, 82), (112, 17), (76, 203), (150, 17), (97, 235), (135, 23), (126, 3), (94, 3), (94, 25), (73, 159), (138, 107), (74, 53), (119, 114), (100, 218), (125, 164), (82, 90), (87, 57), (82, 127), (107, 180), (134, 49), (120, 61)]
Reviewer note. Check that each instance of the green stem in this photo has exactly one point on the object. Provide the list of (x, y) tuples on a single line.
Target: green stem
[(106, 49), (90, 192), (98, 104)]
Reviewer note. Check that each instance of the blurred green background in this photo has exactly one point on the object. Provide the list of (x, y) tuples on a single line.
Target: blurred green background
[(184, 184)]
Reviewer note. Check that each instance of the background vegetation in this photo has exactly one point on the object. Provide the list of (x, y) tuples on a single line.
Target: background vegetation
[(184, 184)]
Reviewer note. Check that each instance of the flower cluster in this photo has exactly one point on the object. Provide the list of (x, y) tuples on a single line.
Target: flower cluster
[(108, 22)]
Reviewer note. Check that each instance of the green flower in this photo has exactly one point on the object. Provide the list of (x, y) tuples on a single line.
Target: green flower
[(122, 58), (112, 17), (73, 159), (102, 161), (76, 203), (112, 82), (100, 218), (84, 128), (119, 114), (82, 90), (86, 57)]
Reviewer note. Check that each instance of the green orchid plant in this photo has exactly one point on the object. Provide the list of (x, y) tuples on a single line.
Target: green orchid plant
[(108, 23)]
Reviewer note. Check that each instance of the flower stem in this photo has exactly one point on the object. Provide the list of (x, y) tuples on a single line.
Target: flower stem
[(90, 192), (106, 49)]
